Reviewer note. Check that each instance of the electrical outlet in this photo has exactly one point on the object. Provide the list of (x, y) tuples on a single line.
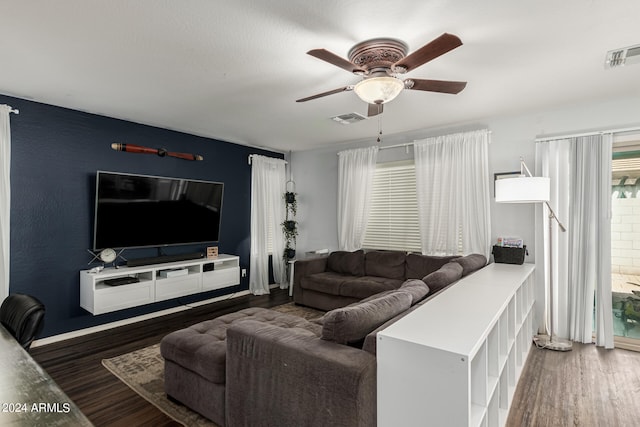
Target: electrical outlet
[(244, 272)]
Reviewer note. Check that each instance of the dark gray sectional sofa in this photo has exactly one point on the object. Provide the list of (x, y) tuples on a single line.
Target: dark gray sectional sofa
[(260, 367), (346, 277)]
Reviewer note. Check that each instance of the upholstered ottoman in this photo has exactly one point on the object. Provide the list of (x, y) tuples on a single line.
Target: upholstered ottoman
[(195, 358)]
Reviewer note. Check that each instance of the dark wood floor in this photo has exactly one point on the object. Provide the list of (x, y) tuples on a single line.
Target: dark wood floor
[(76, 364), (588, 386)]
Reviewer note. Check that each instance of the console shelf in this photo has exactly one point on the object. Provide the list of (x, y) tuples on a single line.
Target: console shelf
[(156, 282), (457, 359)]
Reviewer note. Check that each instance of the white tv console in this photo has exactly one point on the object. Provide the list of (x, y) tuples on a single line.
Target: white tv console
[(156, 282), (456, 360)]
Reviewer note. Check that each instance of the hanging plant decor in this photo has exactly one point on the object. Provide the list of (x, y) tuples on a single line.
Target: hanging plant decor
[(290, 197), (292, 203), (290, 225), (290, 230), (289, 253)]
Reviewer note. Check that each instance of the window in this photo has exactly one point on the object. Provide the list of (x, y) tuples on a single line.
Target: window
[(393, 219)]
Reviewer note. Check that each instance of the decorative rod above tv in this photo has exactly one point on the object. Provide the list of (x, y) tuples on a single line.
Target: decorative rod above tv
[(162, 152), (136, 211)]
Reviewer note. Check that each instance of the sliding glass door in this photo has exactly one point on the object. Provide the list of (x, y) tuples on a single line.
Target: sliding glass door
[(625, 241)]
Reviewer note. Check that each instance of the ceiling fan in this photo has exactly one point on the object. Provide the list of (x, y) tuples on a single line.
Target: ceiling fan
[(380, 61)]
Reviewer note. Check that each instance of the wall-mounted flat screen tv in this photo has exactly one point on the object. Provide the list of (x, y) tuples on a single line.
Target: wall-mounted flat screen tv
[(135, 211)]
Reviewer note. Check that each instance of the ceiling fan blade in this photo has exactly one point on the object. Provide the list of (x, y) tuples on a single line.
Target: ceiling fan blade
[(330, 92), (185, 156), (336, 60), (426, 53), (443, 86), (374, 110)]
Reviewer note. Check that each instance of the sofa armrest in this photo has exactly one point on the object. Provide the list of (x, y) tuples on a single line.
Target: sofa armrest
[(285, 377), (306, 267)]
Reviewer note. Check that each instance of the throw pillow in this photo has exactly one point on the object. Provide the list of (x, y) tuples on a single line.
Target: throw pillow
[(353, 323), (443, 277), (419, 265), (343, 262), (416, 288), (471, 263)]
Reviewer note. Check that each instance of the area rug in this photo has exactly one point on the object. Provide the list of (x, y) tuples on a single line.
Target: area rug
[(143, 371)]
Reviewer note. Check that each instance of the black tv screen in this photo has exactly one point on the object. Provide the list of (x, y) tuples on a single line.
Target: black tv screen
[(134, 211)]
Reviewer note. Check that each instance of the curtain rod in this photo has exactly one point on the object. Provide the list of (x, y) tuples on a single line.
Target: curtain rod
[(251, 156), (12, 110), (406, 144), (409, 144), (577, 135)]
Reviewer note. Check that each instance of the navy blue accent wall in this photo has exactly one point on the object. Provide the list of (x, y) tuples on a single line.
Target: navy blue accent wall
[(55, 155)]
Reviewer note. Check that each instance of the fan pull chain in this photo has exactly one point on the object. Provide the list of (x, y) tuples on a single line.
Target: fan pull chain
[(379, 129)]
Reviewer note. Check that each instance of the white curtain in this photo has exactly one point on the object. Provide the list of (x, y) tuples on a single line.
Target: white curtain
[(267, 212), (452, 181), (5, 198), (580, 171), (552, 160), (356, 169)]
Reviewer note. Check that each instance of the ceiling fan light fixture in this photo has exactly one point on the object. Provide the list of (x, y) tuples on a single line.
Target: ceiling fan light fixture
[(378, 90)]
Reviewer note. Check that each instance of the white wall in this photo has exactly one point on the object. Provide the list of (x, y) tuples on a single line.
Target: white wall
[(625, 236), (315, 171)]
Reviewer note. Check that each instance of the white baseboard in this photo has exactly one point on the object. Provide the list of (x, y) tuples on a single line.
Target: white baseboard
[(106, 326)]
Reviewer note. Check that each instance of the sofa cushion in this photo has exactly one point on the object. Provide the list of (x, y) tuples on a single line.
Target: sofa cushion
[(416, 288), (362, 287), (343, 262), (370, 342), (389, 264), (471, 263), (418, 266), (202, 347), (443, 277), (353, 323), (327, 282)]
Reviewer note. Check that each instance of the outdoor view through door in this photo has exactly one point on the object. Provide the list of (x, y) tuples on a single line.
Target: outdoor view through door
[(625, 240)]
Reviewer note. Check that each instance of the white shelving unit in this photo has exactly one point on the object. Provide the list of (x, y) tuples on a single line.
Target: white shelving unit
[(456, 360), (184, 278)]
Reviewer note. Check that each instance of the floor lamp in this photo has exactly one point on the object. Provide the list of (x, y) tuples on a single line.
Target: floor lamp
[(530, 189)]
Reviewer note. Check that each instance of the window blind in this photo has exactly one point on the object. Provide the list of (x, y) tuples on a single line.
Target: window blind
[(270, 227), (393, 218)]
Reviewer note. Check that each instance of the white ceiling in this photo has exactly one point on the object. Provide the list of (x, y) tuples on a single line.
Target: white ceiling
[(232, 70)]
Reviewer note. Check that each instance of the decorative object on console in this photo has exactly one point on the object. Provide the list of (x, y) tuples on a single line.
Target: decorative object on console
[(509, 254), (530, 189), (162, 152), (510, 250), (212, 252), (106, 255)]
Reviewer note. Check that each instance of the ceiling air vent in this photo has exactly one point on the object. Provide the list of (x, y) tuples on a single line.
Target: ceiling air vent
[(625, 56), (347, 119)]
